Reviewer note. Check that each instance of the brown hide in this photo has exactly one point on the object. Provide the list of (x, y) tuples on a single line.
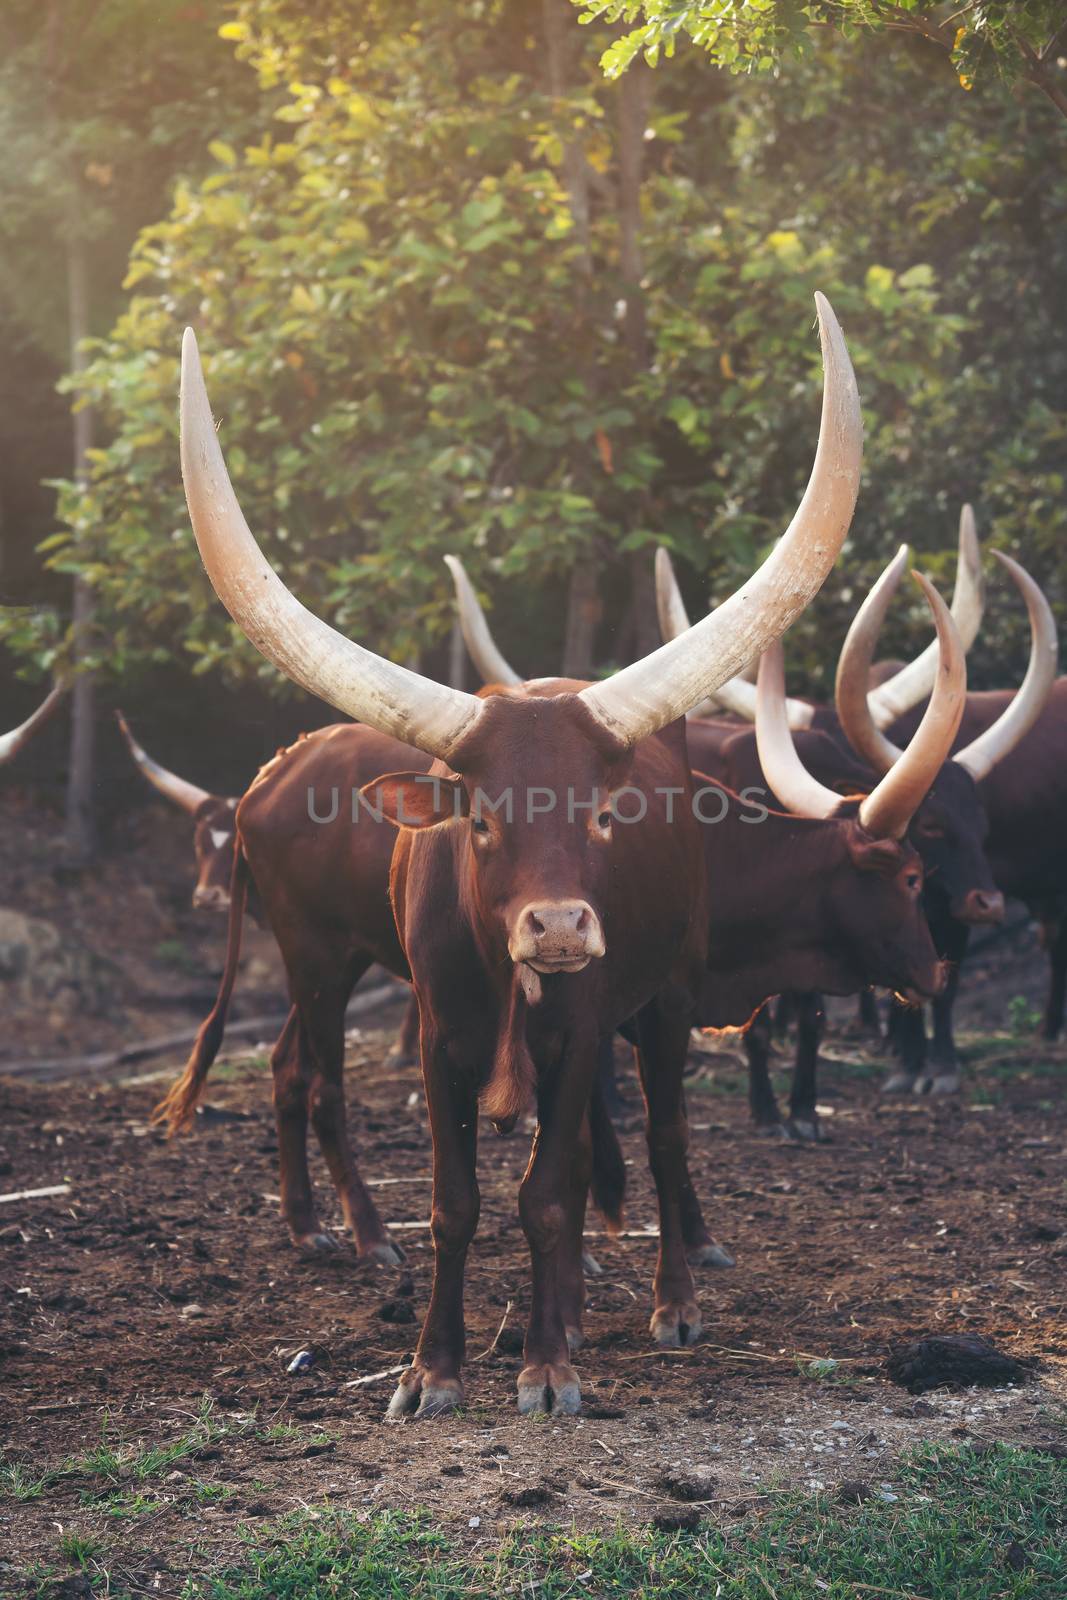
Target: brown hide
[(485, 1033), (799, 904)]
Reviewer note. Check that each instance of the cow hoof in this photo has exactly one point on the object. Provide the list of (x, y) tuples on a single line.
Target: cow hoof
[(417, 1395), (899, 1083), (319, 1243), (767, 1124), (591, 1266), (676, 1324), (554, 1390), (938, 1083), (709, 1255), (385, 1252), (804, 1130), (575, 1339)]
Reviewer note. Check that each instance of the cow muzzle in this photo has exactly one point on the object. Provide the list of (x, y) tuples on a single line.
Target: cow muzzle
[(211, 899), (556, 936), (980, 907)]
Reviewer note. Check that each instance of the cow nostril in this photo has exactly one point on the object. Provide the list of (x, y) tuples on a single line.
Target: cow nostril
[(582, 924), (537, 925)]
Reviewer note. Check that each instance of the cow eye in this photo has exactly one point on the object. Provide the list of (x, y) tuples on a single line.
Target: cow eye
[(914, 881), (479, 825), (604, 819)]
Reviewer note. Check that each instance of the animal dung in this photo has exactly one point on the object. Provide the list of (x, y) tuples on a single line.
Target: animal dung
[(955, 1360)]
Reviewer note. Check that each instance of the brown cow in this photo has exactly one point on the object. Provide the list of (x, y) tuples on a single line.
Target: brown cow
[(319, 862), (530, 936), (214, 831), (11, 743)]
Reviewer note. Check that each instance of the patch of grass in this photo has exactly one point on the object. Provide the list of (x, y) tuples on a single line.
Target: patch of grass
[(80, 1548), (21, 1482), (960, 1525)]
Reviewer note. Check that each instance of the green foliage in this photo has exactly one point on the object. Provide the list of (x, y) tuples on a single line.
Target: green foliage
[(1009, 42), (412, 347)]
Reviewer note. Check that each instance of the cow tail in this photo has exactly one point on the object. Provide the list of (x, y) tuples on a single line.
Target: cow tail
[(609, 1168), (178, 1106)]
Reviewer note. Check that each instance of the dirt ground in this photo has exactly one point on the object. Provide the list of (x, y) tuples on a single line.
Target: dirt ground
[(162, 1276)]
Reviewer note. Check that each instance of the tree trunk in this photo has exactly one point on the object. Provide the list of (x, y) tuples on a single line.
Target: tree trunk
[(583, 614), (81, 822)]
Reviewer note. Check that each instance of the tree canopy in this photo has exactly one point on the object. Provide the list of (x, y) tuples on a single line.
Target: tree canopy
[(455, 291)]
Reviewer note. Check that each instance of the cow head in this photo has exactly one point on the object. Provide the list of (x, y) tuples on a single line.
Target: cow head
[(533, 792), (949, 825), (875, 903), (214, 829), (214, 841), (877, 909)]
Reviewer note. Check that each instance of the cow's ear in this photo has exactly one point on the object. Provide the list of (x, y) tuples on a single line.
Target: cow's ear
[(869, 854), (415, 799)]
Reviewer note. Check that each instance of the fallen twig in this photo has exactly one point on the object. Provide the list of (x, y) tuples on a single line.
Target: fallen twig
[(35, 1194), (374, 1377)]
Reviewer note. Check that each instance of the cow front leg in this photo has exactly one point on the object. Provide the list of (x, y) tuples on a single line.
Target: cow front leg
[(432, 1385), (942, 1072), (803, 1121), (907, 1040), (1055, 939), (291, 1116), (551, 1208), (663, 1031), (761, 1102)]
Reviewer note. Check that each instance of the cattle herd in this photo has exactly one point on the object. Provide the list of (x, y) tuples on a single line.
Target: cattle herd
[(549, 863)]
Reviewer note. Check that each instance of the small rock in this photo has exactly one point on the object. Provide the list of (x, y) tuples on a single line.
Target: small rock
[(192, 1311), (474, 1522), (303, 1361)]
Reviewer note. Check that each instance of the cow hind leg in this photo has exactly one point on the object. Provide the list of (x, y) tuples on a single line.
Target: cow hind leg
[(323, 1042), (291, 1115), (663, 1031), (405, 1050)]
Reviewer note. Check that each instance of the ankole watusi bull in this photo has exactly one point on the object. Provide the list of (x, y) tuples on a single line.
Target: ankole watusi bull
[(11, 743), (533, 917), (1024, 801), (949, 829)]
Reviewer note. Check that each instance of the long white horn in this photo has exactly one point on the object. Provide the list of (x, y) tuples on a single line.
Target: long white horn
[(644, 697), (356, 681), (983, 753), (480, 643), (913, 683), (736, 694), (854, 665), (889, 808), (183, 794), (11, 743), (788, 778)]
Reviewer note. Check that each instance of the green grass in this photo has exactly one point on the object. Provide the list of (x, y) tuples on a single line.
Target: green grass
[(964, 1526)]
